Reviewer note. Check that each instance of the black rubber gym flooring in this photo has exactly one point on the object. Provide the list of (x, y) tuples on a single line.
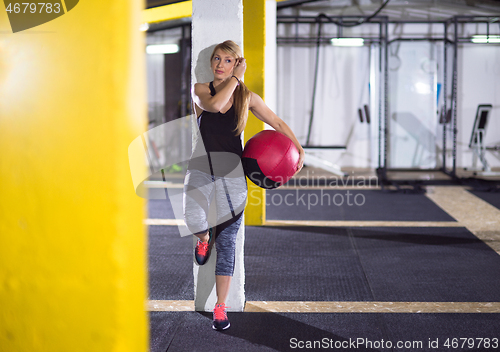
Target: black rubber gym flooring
[(332, 264), (341, 264), (491, 197), (170, 264), (369, 264), (354, 204), (160, 209), (188, 332), (367, 205)]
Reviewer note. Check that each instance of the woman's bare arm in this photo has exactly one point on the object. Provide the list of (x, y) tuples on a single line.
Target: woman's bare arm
[(207, 102), (265, 114)]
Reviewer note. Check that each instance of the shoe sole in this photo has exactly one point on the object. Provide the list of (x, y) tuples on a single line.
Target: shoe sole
[(224, 328)]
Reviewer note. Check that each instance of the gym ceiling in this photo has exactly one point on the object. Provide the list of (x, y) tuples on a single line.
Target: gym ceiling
[(395, 9)]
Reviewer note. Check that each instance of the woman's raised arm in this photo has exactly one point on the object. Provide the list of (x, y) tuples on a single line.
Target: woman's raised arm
[(207, 102)]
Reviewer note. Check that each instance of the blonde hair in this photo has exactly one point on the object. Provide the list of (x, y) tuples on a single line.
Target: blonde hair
[(241, 94)]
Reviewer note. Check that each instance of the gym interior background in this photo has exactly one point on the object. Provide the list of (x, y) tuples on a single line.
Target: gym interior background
[(406, 71), (387, 98), (389, 239)]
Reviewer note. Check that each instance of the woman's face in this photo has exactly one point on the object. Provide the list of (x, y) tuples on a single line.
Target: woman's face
[(222, 64)]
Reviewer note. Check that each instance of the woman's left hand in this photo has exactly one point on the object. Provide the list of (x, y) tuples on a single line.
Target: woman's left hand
[(300, 164)]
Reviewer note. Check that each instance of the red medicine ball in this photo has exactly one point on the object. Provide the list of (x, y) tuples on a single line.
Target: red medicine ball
[(270, 159)]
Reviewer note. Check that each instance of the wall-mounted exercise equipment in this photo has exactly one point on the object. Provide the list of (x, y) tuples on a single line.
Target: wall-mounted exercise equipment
[(477, 138)]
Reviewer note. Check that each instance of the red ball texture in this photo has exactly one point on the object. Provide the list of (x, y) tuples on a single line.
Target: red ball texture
[(270, 159)]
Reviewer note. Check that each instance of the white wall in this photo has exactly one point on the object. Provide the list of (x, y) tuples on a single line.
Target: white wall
[(342, 88), (413, 105), (479, 82)]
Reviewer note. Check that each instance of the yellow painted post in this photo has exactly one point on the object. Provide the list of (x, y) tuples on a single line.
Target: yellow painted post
[(254, 39), (168, 12), (72, 239)]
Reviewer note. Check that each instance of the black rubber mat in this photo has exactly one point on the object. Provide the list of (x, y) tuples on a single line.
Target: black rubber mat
[(293, 264), (428, 264), (163, 327), (491, 197), (354, 205), (367, 205), (160, 209), (370, 264), (257, 332), (381, 264), (446, 331), (332, 264), (191, 331), (170, 264)]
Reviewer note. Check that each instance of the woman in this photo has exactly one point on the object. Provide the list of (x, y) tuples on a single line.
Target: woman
[(222, 109)]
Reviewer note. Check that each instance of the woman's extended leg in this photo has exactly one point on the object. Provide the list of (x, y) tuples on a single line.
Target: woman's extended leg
[(226, 245), (222, 284)]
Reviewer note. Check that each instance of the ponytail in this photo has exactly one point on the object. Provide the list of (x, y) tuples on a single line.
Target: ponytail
[(241, 101)]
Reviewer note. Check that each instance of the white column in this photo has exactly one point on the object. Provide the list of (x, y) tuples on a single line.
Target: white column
[(214, 22)]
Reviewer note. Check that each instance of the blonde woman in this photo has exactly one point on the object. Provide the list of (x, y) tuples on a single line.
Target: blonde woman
[(221, 107)]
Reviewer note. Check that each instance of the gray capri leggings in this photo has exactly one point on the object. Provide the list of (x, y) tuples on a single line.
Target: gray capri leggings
[(224, 215)]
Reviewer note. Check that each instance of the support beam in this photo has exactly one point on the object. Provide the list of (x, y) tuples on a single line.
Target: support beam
[(168, 12), (255, 41), (213, 23), (73, 244)]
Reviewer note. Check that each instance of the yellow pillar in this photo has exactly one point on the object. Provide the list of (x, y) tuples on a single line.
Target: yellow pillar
[(168, 12), (72, 239), (254, 39)]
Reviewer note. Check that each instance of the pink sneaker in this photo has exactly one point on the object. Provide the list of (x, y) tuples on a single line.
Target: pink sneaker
[(221, 322), (202, 250)]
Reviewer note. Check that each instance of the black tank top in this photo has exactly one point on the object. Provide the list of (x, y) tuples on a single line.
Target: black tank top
[(218, 134), (218, 130)]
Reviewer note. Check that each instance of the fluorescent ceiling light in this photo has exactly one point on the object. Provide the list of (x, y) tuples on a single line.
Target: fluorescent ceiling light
[(484, 39), (348, 41), (162, 49)]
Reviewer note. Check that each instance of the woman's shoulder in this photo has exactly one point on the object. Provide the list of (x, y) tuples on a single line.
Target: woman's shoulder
[(255, 99)]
